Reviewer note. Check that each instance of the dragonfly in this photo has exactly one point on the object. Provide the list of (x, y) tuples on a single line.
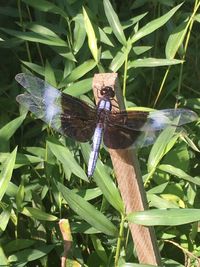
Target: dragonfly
[(82, 122)]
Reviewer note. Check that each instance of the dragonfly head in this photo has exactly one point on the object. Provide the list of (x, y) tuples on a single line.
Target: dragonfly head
[(107, 92)]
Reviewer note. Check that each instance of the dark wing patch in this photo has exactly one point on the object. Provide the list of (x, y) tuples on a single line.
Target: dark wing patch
[(78, 119), (64, 113)]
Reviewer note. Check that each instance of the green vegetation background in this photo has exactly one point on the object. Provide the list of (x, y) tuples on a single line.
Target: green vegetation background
[(154, 46)]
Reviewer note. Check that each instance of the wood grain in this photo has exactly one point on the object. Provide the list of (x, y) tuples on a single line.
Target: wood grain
[(127, 171)]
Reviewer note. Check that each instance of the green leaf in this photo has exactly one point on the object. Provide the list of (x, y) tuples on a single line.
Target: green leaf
[(175, 40), (20, 244), (46, 6), (10, 128), (4, 260), (67, 159), (38, 214), (79, 88), (159, 148), (36, 37), (160, 203), (117, 61), (79, 33), (99, 248), (92, 41), (4, 218), (35, 67), (168, 217), (153, 62), (154, 24), (79, 72), (28, 255), (114, 22), (87, 211), (49, 74), (6, 173), (179, 173)]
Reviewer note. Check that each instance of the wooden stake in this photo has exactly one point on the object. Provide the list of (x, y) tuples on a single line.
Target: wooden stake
[(129, 180)]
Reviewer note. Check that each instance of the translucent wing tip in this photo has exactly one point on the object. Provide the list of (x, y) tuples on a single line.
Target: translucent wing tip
[(20, 78), (194, 116)]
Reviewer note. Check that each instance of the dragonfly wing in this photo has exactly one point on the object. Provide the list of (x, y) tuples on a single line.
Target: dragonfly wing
[(64, 113), (151, 121), (137, 128), (117, 137)]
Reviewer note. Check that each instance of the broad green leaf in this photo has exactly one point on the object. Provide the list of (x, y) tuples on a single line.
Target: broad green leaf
[(175, 40), (197, 17), (104, 38), (179, 173), (35, 67), (38, 214), (36, 37), (89, 194), (168, 217), (133, 20), (87, 211), (154, 24), (104, 181), (160, 203), (117, 61), (67, 159), (20, 244), (92, 41), (49, 74), (79, 33), (78, 72), (138, 50), (34, 27), (28, 255), (10, 128), (159, 148), (79, 88), (4, 218), (153, 62), (4, 260), (99, 248), (21, 159), (114, 22), (6, 173), (120, 58), (65, 52)]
